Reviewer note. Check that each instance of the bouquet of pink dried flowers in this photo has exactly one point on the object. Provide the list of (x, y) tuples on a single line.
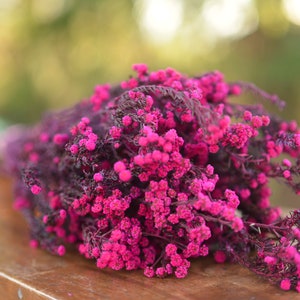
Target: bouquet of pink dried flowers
[(161, 169)]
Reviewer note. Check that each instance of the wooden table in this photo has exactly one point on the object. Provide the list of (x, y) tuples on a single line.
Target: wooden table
[(32, 274)]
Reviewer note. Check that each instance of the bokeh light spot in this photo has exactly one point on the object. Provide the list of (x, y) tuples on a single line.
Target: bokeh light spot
[(159, 20), (230, 18), (291, 9)]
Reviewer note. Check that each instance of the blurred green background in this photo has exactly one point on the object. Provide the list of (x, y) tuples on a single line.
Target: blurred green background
[(53, 52)]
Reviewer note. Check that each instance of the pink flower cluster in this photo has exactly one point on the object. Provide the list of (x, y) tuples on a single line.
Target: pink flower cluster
[(159, 170)]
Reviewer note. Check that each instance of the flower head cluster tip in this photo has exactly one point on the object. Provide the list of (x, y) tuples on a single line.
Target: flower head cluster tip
[(161, 169)]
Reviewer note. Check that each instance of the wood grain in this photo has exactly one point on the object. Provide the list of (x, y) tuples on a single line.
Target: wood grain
[(33, 274)]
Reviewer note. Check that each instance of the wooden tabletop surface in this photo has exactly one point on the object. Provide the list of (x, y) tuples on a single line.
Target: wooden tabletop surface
[(32, 274)]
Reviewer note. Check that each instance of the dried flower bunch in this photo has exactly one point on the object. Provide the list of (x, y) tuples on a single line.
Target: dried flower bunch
[(161, 169)]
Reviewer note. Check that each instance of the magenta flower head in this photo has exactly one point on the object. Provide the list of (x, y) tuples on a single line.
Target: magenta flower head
[(161, 169)]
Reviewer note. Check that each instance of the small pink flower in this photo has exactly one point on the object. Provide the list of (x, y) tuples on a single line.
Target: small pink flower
[(98, 177), (126, 120), (285, 284), (270, 260), (287, 162), (256, 121), (60, 138), (160, 272), (116, 235), (74, 149), (237, 224), (181, 272), (119, 166), (62, 213), (35, 189), (247, 115), (149, 272), (61, 250), (220, 256), (125, 175), (286, 174), (176, 260), (90, 145), (171, 249), (34, 243), (140, 68)]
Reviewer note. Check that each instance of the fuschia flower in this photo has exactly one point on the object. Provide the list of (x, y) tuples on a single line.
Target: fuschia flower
[(158, 170)]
